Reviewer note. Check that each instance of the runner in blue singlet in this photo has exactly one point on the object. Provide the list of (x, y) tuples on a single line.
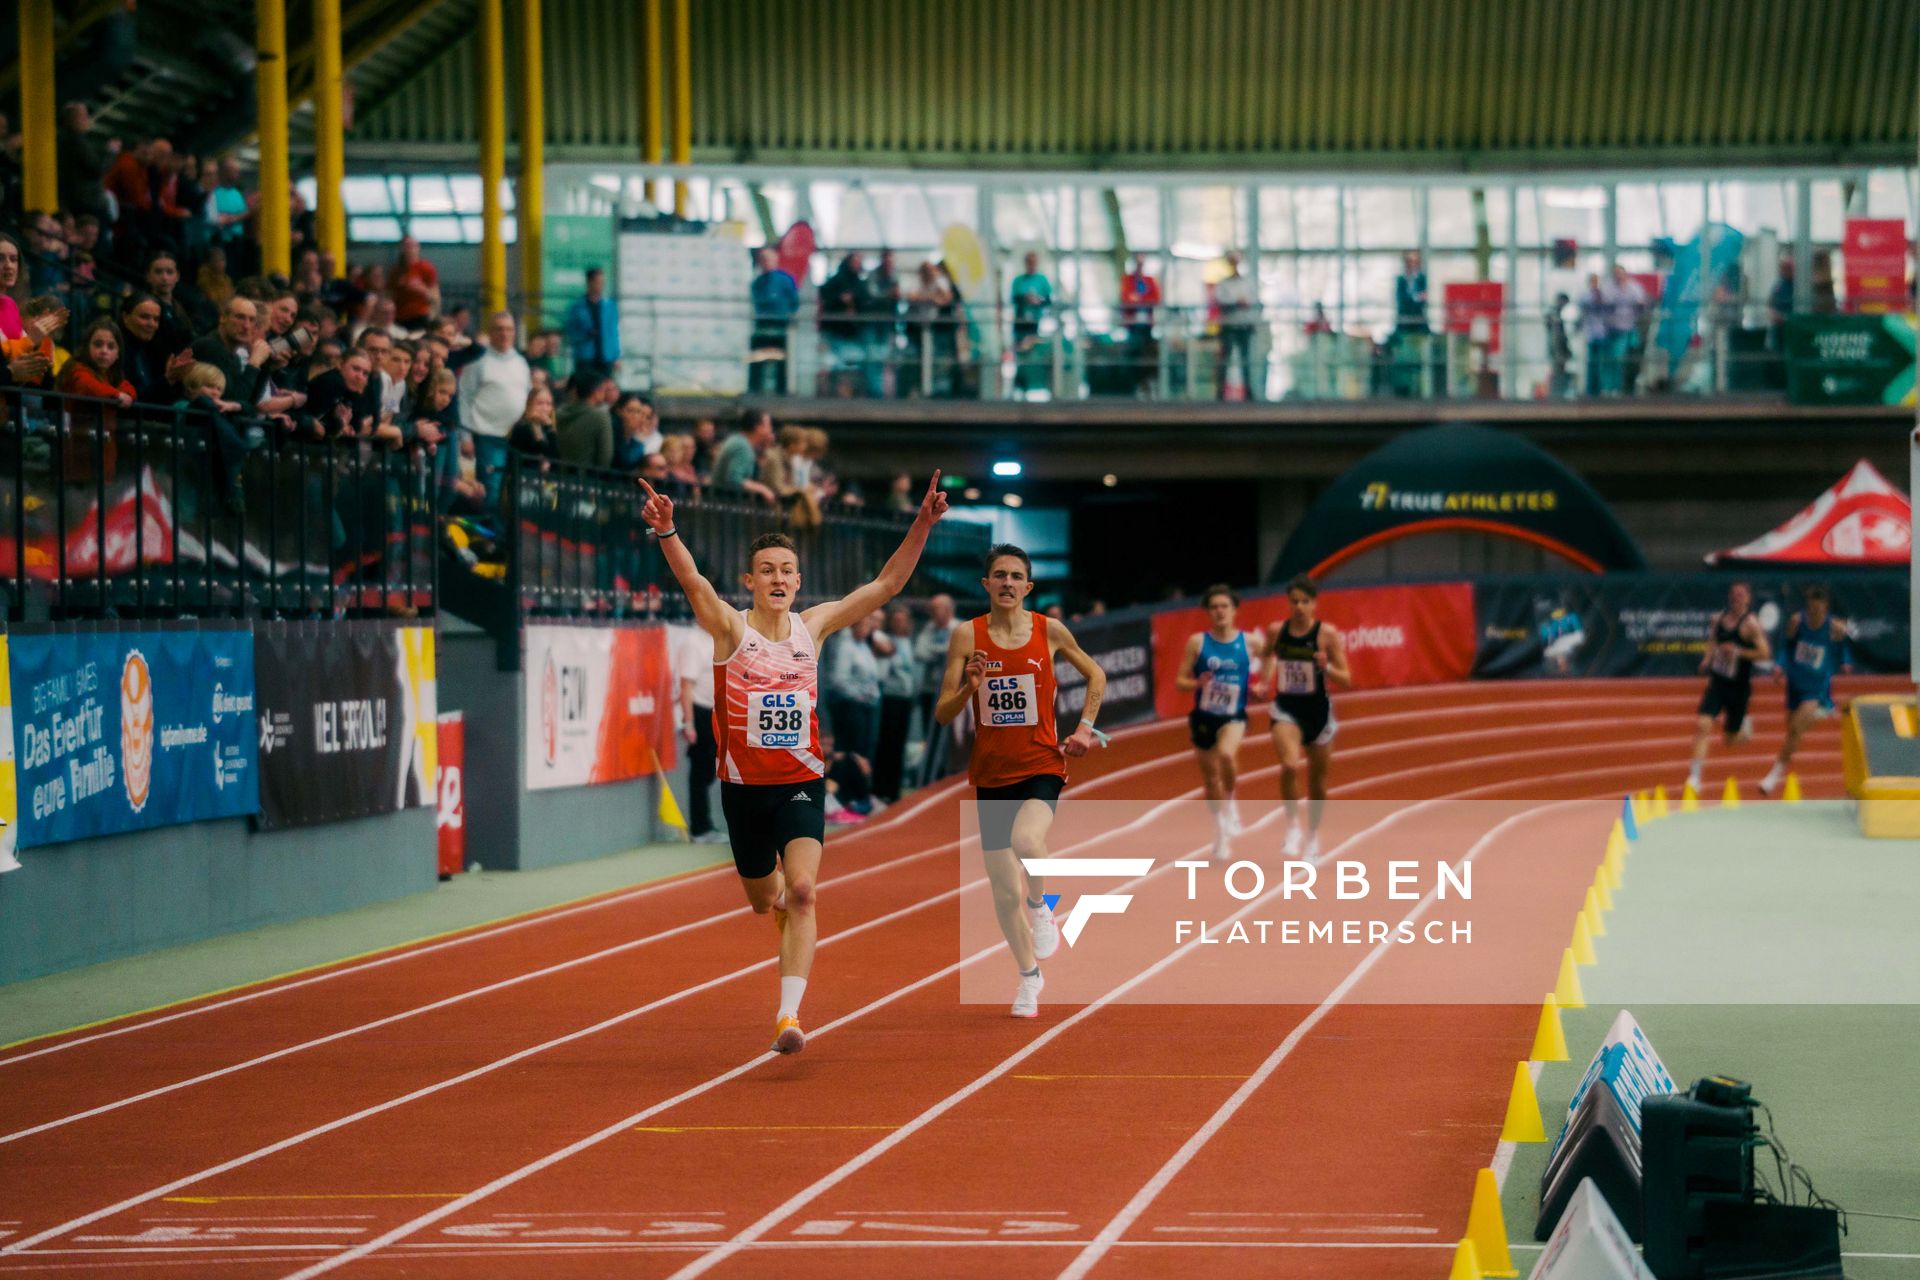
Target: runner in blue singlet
[(1218, 667), (1813, 647)]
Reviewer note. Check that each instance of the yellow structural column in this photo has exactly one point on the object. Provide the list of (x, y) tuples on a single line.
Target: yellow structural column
[(650, 98), (270, 93), (530, 196), (493, 157), (329, 138), (41, 193), (682, 101)]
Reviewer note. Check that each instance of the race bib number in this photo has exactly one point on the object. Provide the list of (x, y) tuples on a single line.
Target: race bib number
[(1296, 677), (1220, 697), (1726, 661), (778, 719), (1009, 700), (1810, 656)]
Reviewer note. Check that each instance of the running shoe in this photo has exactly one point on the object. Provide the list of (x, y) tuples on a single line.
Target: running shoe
[(1046, 934), (1026, 997), (788, 1037), (1313, 846), (1222, 846), (1295, 837), (1233, 817), (1771, 783)]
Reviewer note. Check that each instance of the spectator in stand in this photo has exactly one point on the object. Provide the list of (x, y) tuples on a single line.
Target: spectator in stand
[(880, 311), (132, 191), (776, 298), (638, 431), (47, 258), (737, 462), (693, 664), (493, 391), (212, 281), (852, 684), (593, 327), (900, 681), (783, 470), (840, 322), (419, 371), (1139, 300), (147, 361), (169, 216), (309, 279), (1594, 304), (543, 350), (1317, 323), (1780, 307), (584, 427), (431, 419), (40, 319), (900, 495), (203, 386), (1032, 298), (93, 370), (196, 182), (533, 434), (705, 444), (397, 363), (1239, 306), (415, 288), (1626, 303), (1825, 303), (180, 320), (930, 650), (1559, 349), (232, 205), (928, 365), (336, 399), (1410, 297), (81, 164), (238, 351), (653, 469), (678, 451)]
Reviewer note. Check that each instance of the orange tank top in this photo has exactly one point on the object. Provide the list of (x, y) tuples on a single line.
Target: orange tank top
[(766, 719), (1014, 737)]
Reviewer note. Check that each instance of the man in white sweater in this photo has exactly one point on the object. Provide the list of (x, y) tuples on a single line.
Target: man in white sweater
[(492, 396)]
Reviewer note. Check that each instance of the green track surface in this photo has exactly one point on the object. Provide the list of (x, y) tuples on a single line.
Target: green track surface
[(1777, 945), (81, 996)]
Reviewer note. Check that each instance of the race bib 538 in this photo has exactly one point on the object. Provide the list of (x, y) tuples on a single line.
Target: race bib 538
[(1009, 700), (778, 718)]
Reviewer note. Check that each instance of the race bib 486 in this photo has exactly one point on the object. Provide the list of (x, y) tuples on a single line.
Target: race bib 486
[(778, 718), (1009, 700)]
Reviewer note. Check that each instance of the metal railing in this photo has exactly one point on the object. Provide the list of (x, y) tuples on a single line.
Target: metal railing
[(577, 547), (111, 511)]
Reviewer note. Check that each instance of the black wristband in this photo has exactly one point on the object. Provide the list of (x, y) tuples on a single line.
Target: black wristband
[(671, 533)]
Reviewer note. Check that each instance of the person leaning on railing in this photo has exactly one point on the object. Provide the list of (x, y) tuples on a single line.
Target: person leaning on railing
[(93, 370)]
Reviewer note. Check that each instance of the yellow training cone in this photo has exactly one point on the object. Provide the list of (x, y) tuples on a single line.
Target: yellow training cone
[(1613, 865), (1600, 888), (1659, 802), (1549, 1041), (1595, 925), (1792, 792), (1582, 947), (1642, 806), (1466, 1263), (1689, 799), (1566, 988), (1523, 1110), (1487, 1228), (1730, 797)]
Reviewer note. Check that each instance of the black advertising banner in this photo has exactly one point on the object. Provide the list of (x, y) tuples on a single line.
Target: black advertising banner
[(1123, 646), (348, 720), (1656, 624)]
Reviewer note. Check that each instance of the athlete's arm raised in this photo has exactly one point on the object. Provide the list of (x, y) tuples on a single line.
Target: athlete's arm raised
[(1080, 741), (1332, 656), (715, 616), (1185, 679), (825, 619), (966, 668)]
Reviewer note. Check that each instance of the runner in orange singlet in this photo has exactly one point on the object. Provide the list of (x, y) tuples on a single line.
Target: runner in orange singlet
[(766, 723), (1003, 663)]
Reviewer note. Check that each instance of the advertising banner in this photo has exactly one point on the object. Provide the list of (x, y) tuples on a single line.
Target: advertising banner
[(347, 720), (1395, 635), (598, 704), (1629, 625), (451, 821), (123, 730), (1874, 254), (9, 823), (1850, 359), (1468, 301), (1124, 649)]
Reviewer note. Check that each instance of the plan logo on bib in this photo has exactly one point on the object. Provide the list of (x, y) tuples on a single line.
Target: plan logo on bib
[(136, 729)]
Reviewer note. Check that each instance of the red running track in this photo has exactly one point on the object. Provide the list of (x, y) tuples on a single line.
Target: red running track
[(583, 1092)]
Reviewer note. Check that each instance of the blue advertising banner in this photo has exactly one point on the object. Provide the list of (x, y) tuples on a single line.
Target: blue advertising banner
[(119, 730)]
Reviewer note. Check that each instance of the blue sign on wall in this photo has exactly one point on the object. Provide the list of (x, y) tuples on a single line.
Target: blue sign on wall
[(116, 731)]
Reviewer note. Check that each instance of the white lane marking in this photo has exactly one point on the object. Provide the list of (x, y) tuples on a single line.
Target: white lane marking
[(1143, 1198)]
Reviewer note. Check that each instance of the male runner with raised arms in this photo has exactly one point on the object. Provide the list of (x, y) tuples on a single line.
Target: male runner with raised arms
[(1304, 656), (1812, 648), (1735, 641), (766, 723), (1003, 663), (1218, 667)]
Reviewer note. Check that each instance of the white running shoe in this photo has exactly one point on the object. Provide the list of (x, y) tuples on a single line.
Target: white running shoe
[(1026, 997), (1233, 817), (1295, 837), (1046, 934), (1313, 846), (1771, 783), (1222, 846)]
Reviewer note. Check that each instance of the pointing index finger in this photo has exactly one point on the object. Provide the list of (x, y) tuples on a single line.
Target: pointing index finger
[(649, 488)]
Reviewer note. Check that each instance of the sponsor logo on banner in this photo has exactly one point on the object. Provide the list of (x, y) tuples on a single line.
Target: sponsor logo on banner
[(595, 714), (1380, 496), (1123, 647), (9, 823), (118, 731), (450, 818)]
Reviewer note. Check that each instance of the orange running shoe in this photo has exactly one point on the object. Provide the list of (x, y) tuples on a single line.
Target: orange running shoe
[(788, 1037)]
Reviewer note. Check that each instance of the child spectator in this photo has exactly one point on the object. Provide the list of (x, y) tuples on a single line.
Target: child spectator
[(94, 370)]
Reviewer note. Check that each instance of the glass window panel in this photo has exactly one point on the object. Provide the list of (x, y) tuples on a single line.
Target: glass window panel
[(783, 206), (466, 191), (1097, 291), (1370, 278), (1829, 212), (859, 220), (1637, 219), (1096, 226), (364, 195), (1206, 221), (1024, 218), (1316, 217), (1683, 205), (308, 190), (437, 229), (373, 230), (950, 205), (1140, 217), (1498, 219), (1383, 218), (1450, 217), (1889, 194), (1276, 217), (1755, 207), (827, 199), (903, 220), (1566, 213)]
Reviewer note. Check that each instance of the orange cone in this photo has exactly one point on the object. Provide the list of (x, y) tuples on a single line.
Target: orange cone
[(1487, 1228)]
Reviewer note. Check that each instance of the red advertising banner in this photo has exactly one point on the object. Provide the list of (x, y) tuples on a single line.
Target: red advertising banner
[(1395, 636), (451, 820), (1875, 253), (1469, 300), (599, 705)]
